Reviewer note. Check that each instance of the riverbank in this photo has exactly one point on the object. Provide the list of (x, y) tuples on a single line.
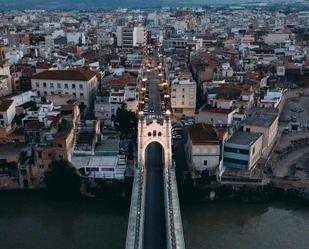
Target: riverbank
[(190, 191)]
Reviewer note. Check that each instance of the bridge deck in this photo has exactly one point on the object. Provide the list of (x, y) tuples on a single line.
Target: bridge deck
[(154, 223)]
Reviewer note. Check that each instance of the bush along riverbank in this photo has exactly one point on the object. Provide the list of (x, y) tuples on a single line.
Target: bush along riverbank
[(190, 191)]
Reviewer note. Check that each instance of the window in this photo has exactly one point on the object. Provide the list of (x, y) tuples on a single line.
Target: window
[(51, 85), (1, 116), (52, 93), (74, 94), (236, 150), (66, 86), (58, 85), (45, 93), (44, 84), (253, 150), (205, 162), (73, 86), (37, 84), (41, 166), (237, 161), (81, 95), (60, 145), (39, 154), (81, 86), (248, 129)]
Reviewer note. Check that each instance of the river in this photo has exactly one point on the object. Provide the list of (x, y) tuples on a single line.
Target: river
[(33, 221)]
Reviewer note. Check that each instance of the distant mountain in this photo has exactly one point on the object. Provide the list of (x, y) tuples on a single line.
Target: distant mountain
[(107, 4)]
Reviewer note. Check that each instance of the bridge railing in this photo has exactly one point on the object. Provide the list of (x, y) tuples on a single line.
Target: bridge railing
[(174, 229), (135, 230)]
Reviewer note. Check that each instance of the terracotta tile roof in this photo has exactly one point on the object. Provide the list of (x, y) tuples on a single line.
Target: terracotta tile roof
[(216, 110), (82, 74), (203, 134)]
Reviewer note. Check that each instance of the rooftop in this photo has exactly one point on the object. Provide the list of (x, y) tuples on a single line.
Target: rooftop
[(215, 110), (202, 133), (261, 120), (80, 74), (244, 138)]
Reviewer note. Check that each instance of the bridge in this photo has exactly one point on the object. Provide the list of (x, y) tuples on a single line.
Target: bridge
[(155, 218)]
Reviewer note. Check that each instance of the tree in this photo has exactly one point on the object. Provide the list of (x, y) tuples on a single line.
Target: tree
[(130, 151), (63, 180), (125, 121)]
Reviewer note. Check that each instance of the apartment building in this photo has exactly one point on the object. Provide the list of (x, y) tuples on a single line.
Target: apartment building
[(131, 36), (183, 96), (242, 150), (81, 83)]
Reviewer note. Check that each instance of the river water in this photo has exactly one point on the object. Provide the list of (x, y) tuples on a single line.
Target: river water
[(31, 221)]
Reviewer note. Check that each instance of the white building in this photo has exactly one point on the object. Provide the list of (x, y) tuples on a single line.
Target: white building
[(183, 96), (14, 56), (76, 37), (139, 36), (203, 147), (81, 83), (215, 116)]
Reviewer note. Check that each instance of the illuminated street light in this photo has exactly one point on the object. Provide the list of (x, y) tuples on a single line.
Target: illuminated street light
[(168, 112)]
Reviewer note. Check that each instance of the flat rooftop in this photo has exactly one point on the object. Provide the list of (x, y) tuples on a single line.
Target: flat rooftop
[(261, 120), (108, 145), (244, 138), (94, 161)]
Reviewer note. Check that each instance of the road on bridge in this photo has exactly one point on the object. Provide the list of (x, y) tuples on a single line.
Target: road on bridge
[(154, 223)]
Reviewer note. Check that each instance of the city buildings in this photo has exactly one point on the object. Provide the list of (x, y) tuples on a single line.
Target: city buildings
[(225, 74)]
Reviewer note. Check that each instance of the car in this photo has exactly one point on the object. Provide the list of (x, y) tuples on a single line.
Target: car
[(286, 130), (177, 137), (293, 119)]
